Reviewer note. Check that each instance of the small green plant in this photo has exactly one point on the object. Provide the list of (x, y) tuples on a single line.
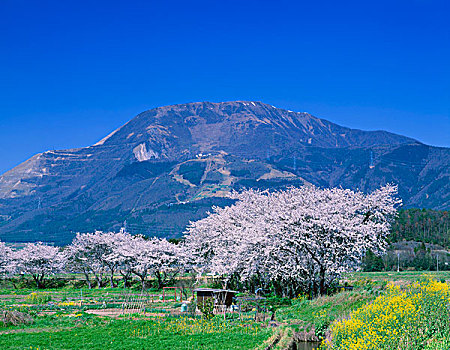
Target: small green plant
[(274, 302), (38, 298), (191, 308), (299, 299), (206, 307), (215, 283), (321, 323)]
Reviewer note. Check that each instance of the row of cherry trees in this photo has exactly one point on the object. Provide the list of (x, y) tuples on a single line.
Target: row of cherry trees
[(293, 241), (96, 255)]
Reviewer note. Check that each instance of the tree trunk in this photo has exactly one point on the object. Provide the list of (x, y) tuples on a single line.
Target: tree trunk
[(88, 280), (38, 279), (99, 278), (111, 279), (14, 284), (126, 278), (159, 278), (322, 288)]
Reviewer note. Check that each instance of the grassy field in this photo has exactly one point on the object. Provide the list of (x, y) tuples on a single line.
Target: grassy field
[(135, 334), (97, 319), (403, 277)]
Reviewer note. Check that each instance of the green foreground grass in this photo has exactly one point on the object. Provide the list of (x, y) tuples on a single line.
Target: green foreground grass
[(320, 312), (135, 334)]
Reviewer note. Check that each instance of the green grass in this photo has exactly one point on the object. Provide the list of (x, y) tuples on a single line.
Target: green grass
[(56, 321), (313, 317), (334, 306), (137, 334), (61, 323), (403, 276)]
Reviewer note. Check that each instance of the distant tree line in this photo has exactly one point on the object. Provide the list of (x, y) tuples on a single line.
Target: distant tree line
[(420, 258), (419, 240)]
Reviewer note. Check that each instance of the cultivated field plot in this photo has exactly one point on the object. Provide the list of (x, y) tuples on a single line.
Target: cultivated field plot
[(120, 319)]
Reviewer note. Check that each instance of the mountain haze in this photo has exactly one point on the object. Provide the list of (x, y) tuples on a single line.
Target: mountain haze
[(170, 164)]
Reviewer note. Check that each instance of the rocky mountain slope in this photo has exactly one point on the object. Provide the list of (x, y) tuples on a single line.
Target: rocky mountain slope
[(169, 165)]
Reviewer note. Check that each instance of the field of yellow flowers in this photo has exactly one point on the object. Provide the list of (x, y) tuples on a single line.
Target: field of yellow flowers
[(409, 318)]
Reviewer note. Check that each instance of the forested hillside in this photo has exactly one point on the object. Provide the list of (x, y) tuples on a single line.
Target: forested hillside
[(420, 240), (422, 225)]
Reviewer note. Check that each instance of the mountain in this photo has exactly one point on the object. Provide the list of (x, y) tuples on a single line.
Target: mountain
[(170, 164)]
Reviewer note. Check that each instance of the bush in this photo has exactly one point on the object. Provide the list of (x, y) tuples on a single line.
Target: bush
[(274, 303), (372, 262), (191, 308), (78, 284), (22, 282), (321, 323), (215, 283), (206, 307), (14, 318), (55, 283)]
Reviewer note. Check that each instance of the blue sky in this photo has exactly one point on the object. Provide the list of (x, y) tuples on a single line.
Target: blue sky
[(72, 71)]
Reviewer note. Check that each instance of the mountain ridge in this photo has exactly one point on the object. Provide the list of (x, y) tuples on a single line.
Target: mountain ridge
[(191, 155)]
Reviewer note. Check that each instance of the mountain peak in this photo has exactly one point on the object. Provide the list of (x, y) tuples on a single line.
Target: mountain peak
[(233, 121)]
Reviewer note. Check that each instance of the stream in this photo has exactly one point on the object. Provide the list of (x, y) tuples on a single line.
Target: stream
[(307, 345)]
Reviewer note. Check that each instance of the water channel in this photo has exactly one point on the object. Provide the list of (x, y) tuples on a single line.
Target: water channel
[(307, 345)]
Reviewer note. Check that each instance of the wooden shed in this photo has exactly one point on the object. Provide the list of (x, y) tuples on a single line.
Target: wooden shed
[(220, 296)]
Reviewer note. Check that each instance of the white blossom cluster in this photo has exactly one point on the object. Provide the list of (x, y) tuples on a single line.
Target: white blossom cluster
[(297, 239)]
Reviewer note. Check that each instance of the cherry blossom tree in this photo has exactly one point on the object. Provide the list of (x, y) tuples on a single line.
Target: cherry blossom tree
[(96, 254), (126, 254), (113, 257), (141, 257), (5, 260), (300, 239), (86, 254), (108, 252), (166, 263), (38, 260), (154, 256)]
